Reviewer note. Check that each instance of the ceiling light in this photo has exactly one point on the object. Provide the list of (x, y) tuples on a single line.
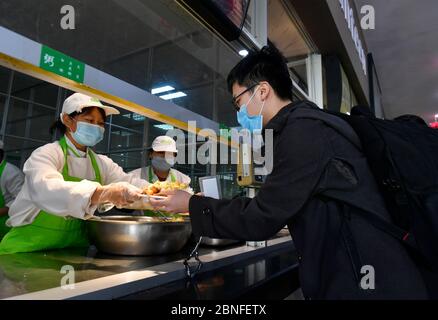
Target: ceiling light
[(138, 117), (135, 116), (162, 89), (165, 127), (175, 95)]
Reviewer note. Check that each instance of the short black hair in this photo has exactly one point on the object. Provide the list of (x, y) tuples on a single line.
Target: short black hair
[(267, 65)]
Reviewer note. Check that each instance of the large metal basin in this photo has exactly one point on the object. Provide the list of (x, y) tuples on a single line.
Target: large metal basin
[(138, 236)]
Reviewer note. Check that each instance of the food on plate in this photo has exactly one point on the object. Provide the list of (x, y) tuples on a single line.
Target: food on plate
[(159, 186), (154, 190)]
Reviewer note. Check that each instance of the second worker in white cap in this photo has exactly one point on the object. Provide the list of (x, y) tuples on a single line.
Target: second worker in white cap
[(162, 156)]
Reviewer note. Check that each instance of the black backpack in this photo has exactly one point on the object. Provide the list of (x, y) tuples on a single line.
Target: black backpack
[(403, 158)]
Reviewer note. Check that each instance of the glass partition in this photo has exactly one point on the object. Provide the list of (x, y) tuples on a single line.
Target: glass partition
[(149, 44), (32, 106)]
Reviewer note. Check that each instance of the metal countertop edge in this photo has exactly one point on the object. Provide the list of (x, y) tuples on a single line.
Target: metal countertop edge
[(126, 283)]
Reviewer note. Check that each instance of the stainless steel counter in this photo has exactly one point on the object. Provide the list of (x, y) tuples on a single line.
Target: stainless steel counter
[(100, 276)]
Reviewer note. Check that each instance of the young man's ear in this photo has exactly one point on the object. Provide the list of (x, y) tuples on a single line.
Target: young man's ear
[(265, 89)]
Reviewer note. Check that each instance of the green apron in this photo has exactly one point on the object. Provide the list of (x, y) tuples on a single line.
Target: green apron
[(152, 213), (3, 228), (49, 231)]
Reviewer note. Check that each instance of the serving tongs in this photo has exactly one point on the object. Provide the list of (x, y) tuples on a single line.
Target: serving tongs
[(163, 216)]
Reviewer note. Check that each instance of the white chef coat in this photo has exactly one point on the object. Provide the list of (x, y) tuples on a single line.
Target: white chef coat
[(179, 176), (45, 189), (11, 182)]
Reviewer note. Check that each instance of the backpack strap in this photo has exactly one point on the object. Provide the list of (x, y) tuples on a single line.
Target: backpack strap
[(374, 219), (350, 243), (389, 228)]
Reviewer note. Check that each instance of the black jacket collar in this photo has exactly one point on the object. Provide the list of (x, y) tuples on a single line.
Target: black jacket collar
[(278, 122)]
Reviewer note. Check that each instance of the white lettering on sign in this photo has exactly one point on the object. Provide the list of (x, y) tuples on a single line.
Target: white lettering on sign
[(50, 60), (351, 22)]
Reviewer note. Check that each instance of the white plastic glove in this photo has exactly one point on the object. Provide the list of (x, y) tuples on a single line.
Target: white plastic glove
[(120, 194)]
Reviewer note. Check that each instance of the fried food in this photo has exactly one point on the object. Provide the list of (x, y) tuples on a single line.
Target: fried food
[(159, 186)]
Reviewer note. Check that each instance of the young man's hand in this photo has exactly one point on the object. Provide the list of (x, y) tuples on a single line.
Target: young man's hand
[(175, 201)]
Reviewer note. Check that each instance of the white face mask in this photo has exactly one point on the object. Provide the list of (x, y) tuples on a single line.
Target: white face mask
[(163, 164)]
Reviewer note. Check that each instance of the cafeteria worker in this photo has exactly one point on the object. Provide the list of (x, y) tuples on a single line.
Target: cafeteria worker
[(66, 181), (162, 156)]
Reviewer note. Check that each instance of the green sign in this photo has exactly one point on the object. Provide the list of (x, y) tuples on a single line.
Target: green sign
[(61, 64)]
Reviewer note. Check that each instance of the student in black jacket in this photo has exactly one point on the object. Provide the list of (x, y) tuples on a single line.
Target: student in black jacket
[(320, 187)]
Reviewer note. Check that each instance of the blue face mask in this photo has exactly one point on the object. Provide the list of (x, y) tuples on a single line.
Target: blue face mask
[(252, 123), (88, 134)]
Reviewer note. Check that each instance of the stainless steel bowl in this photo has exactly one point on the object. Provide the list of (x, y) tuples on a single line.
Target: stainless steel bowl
[(138, 236)]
